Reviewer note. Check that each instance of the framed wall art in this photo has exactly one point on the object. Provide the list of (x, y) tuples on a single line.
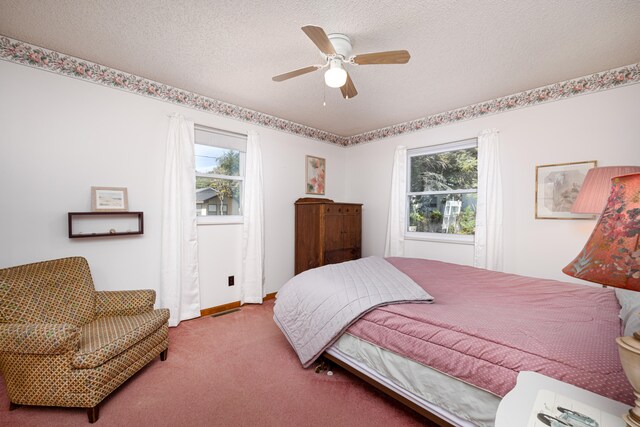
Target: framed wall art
[(109, 199), (315, 175), (557, 187)]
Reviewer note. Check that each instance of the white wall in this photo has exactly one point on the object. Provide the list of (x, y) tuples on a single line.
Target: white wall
[(60, 136), (604, 126)]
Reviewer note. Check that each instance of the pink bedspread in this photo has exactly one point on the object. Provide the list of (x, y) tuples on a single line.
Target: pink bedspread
[(485, 327)]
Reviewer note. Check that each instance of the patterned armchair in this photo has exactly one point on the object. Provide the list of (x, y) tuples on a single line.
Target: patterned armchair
[(64, 344)]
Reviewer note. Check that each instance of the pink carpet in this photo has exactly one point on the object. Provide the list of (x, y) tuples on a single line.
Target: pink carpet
[(233, 370)]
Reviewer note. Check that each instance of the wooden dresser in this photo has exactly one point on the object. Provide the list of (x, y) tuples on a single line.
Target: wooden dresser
[(326, 232)]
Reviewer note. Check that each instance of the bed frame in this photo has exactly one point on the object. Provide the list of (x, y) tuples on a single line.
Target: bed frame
[(326, 358)]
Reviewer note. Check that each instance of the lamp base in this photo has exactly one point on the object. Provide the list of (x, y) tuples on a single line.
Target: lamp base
[(629, 349), (630, 422)]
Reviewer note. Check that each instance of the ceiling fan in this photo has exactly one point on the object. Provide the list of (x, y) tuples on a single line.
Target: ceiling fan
[(336, 50)]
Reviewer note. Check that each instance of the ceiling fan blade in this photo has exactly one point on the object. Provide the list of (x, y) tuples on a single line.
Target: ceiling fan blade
[(319, 37), (295, 73), (390, 57), (348, 89)]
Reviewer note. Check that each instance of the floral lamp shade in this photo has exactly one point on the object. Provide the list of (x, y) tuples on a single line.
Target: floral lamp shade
[(596, 187), (611, 256)]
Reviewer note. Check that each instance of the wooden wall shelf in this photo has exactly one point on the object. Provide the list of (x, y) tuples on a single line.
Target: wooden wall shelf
[(104, 223)]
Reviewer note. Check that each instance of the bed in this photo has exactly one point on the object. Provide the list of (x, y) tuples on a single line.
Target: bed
[(453, 358)]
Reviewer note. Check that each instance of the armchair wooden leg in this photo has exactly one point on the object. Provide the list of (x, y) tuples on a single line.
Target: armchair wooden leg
[(163, 355), (93, 414), (13, 406)]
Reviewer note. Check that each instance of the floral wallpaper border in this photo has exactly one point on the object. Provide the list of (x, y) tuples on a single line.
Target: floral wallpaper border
[(26, 54), (605, 80)]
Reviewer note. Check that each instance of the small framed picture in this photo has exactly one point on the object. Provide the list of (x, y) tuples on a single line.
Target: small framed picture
[(315, 175), (557, 187), (109, 199)]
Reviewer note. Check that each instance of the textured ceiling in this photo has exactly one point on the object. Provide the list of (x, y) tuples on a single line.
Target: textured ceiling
[(462, 52)]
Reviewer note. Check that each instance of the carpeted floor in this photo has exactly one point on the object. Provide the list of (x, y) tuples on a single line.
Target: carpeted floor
[(232, 370)]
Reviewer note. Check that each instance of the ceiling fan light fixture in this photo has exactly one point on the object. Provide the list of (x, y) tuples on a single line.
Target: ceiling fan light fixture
[(336, 75), (336, 52)]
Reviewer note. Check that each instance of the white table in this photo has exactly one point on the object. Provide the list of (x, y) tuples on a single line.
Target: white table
[(515, 408)]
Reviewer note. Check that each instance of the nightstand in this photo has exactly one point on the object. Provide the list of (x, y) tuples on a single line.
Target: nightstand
[(515, 408)]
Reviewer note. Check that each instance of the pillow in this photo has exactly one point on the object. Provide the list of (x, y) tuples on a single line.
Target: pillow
[(630, 312)]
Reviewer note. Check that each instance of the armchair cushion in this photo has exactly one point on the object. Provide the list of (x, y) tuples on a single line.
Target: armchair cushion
[(58, 291), (107, 337), (31, 338), (124, 303)]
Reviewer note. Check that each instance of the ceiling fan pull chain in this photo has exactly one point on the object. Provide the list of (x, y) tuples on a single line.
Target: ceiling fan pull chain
[(324, 95)]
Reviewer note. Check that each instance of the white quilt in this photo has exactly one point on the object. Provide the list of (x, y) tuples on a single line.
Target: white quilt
[(316, 306)]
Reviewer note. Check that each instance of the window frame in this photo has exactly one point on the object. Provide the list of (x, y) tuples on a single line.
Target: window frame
[(467, 239), (242, 148)]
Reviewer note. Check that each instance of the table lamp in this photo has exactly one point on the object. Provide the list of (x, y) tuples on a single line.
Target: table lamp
[(611, 256)]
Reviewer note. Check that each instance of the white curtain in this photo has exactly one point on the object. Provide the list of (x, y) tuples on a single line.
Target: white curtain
[(488, 240), (253, 225), (394, 242), (179, 286)]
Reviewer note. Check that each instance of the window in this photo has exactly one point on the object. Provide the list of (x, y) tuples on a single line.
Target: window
[(220, 160), (441, 191)]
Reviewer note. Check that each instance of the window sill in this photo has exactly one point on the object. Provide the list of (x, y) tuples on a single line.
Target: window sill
[(458, 239), (219, 220)]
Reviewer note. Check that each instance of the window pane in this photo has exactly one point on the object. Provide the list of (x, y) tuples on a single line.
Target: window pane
[(217, 196), (451, 170), (443, 213), (214, 160)]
